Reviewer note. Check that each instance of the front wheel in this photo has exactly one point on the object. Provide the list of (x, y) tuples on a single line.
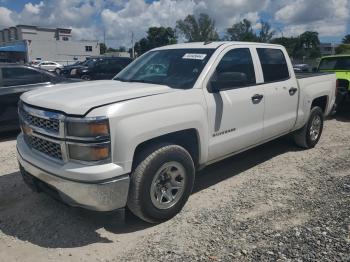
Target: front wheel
[(58, 71), (161, 183), (86, 77), (308, 136)]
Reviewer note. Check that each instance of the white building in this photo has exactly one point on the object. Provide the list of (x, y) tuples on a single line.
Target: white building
[(27, 43)]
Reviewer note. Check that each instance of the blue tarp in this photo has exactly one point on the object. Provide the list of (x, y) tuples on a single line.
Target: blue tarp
[(18, 47)]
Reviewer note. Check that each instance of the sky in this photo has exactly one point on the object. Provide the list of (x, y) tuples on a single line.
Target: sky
[(116, 19)]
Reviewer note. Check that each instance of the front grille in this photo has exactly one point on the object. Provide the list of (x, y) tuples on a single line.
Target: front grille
[(52, 125), (343, 83), (46, 147)]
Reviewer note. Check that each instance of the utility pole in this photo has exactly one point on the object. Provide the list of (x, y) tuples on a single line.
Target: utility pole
[(132, 46)]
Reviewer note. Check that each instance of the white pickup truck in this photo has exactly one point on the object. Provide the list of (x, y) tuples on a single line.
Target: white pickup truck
[(137, 140)]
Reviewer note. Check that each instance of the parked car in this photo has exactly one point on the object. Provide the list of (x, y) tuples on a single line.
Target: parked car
[(301, 68), (67, 70), (97, 68), (14, 81), (340, 65), (137, 140), (49, 66)]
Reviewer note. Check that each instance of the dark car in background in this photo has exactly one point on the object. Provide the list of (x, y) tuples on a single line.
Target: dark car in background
[(14, 81), (302, 68), (97, 68)]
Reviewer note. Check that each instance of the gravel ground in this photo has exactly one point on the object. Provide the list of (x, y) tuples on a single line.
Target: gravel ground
[(272, 203)]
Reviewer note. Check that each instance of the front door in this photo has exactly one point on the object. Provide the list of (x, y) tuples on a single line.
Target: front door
[(236, 111)]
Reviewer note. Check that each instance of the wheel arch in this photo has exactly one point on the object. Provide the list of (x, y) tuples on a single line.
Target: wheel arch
[(321, 101), (188, 139)]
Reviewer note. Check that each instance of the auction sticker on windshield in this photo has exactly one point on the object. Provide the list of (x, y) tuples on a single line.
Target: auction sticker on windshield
[(194, 56)]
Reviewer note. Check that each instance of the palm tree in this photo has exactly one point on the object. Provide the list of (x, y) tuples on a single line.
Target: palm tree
[(346, 39)]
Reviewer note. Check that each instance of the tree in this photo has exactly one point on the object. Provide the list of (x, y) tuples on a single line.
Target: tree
[(265, 34), (103, 48), (309, 40), (346, 39), (242, 31), (156, 36), (290, 43), (198, 30), (306, 45), (342, 49), (121, 49)]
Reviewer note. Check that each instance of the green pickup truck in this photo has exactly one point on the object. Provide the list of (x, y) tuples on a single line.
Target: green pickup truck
[(339, 64)]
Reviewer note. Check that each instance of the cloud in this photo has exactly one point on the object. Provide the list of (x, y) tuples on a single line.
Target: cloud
[(328, 17), (6, 17), (118, 18), (136, 15)]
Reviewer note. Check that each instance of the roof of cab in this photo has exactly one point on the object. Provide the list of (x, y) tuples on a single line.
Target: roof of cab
[(209, 45)]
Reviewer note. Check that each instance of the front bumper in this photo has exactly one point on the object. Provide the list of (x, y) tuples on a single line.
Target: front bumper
[(104, 195)]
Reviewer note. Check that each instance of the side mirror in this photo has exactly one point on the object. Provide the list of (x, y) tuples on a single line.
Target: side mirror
[(227, 80)]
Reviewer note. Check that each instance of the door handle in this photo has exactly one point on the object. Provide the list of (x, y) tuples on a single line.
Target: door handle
[(292, 91), (257, 98)]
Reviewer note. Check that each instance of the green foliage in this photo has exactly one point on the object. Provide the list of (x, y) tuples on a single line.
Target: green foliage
[(307, 45), (243, 31), (198, 30), (309, 40), (343, 49), (346, 39), (265, 34), (103, 48), (156, 37), (290, 43)]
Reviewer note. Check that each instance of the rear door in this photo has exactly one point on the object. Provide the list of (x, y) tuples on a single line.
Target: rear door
[(281, 92), (235, 115)]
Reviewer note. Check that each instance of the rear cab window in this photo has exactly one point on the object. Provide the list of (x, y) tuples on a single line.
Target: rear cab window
[(274, 65)]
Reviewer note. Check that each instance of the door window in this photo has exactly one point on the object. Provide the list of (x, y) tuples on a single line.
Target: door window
[(274, 64), (237, 66)]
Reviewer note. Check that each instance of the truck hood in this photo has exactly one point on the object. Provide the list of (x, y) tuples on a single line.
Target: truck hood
[(79, 98)]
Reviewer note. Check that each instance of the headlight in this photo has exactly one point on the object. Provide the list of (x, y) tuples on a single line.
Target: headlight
[(97, 129), (88, 152)]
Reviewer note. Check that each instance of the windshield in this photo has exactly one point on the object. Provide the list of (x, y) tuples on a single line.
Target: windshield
[(176, 68), (335, 63)]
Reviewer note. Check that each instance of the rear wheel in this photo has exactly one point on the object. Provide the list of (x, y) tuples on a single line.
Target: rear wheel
[(309, 135), (161, 183)]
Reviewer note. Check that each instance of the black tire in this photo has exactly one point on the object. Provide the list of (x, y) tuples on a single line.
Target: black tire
[(302, 137), (139, 198), (58, 71), (86, 77)]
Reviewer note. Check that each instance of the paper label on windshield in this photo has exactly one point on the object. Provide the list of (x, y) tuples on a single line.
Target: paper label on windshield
[(194, 56)]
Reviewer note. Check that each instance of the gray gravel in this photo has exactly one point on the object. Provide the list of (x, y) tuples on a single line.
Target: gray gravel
[(272, 203)]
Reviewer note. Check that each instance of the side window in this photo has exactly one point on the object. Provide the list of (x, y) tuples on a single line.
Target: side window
[(88, 48), (274, 64), (236, 69), (20, 76)]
